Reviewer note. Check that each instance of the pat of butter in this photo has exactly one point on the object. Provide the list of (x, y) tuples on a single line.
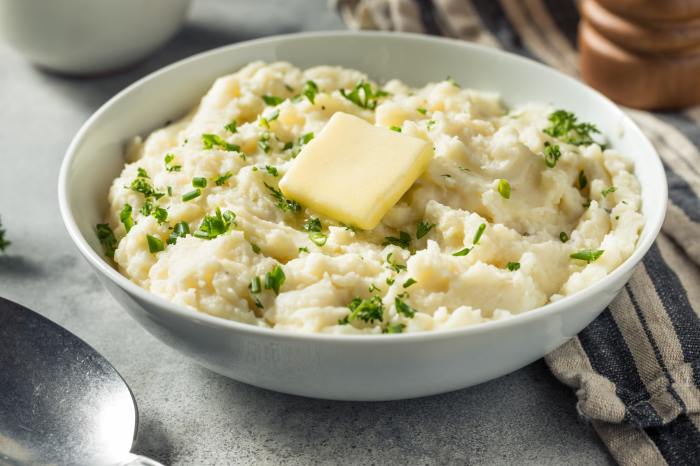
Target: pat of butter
[(355, 172)]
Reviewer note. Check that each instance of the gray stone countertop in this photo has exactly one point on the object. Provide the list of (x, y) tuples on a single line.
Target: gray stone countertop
[(189, 415)]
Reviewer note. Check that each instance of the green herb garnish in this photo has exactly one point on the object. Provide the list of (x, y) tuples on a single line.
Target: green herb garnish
[(271, 170), (395, 128), (504, 188), (403, 241), (588, 255), (284, 204), (255, 248), (142, 173), (272, 100), (232, 127), (319, 239), (479, 232), (513, 266), (564, 126), (313, 224), (423, 229), (403, 308), (563, 237), (168, 163), (143, 186), (409, 282), (367, 310), (363, 95), (552, 153), (180, 230), (264, 143), (160, 214), (421, 110), (395, 266), (274, 279), (191, 195), (303, 249), (154, 244), (199, 182), (212, 140), (255, 288), (215, 225), (146, 209), (607, 191), (126, 218), (106, 237), (395, 328), (462, 252), (220, 181), (310, 91)]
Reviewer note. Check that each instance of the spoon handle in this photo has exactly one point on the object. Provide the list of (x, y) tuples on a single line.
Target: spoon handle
[(138, 460)]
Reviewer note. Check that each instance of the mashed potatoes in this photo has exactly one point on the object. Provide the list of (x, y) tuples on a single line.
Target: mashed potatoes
[(488, 231)]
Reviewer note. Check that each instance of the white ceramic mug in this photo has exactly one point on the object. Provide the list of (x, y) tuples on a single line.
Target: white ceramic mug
[(88, 36)]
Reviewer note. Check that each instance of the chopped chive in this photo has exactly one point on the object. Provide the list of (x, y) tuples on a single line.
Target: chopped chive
[(212, 140), (552, 153), (479, 232), (563, 237), (607, 191), (582, 180), (310, 91), (191, 195), (126, 218), (513, 266), (504, 188), (232, 127), (255, 248), (199, 182), (272, 100), (421, 110), (409, 282), (220, 181), (395, 328), (303, 249), (274, 279), (395, 128), (588, 255), (463, 252), (104, 234), (180, 230), (154, 244), (423, 229)]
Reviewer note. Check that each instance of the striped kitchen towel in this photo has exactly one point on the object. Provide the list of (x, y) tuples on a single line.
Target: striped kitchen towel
[(636, 368)]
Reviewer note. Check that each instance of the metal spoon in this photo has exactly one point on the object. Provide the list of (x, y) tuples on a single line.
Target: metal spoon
[(61, 402)]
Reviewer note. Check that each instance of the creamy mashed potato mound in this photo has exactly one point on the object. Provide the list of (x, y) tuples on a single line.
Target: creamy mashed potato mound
[(258, 119)]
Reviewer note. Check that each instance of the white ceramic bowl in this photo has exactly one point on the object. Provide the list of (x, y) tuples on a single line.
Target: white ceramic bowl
[(380, 367), (88, 36)]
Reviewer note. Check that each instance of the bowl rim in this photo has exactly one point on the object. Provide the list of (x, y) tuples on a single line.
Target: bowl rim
[(568, 303)]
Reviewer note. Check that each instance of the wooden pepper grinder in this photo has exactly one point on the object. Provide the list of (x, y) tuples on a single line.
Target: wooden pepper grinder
[(642, 53)]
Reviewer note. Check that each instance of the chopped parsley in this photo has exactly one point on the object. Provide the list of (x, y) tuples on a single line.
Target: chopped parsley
[(284, 204), (403, 241), (255, 248), (430, 124), (143, 186), (180, 230), (395, 128), (395, 266), (565, 127), (154, 244), (160, 214), (318, 238), (126, 218), (409, 282), (363, 95), (168, 163), (306, 138), (563, 237), (479, 232), (582, 180), (199, 182), (588, 255), (303, 249), (146, 209), (390, 281), (220, 181), (423, 229), (215, 225), (421, 110), (504, 188), (367, 310), (264, 143), (265, 120), (212, 140), (372, 288), (310, 91), (191, 195), (451, 80), (142, 172), (3, 242), (271, 170), (463, 252), (104, 234), (403, 308), (313, 224), (395, 328), (513, 266), (272, 100), (301, 142), (274, 279), (552, 153), (232, 127), (607, 191)]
